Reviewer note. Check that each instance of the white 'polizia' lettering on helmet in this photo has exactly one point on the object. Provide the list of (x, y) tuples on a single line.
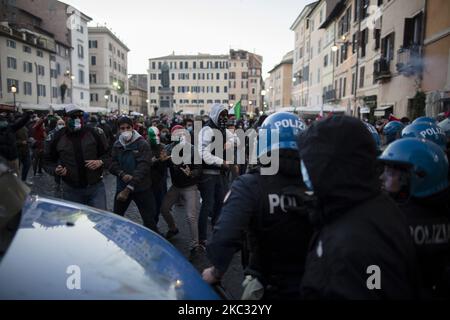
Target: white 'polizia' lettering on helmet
[(290, 123), (431, 132)]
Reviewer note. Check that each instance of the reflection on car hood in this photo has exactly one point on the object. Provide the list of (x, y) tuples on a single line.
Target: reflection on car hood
[(114, 258)]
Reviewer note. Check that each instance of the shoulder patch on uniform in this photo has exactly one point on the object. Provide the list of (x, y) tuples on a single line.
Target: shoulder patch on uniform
[(227, 196)]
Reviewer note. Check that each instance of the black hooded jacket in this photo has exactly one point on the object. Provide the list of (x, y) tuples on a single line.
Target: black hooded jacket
[(8, 147), (358, 228)]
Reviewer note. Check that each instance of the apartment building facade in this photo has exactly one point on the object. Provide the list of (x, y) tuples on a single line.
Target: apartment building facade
[(245, 82), (279, 84), (68, 28), (138, 84), (199, 81), (25, 62), (366, 56), (301, 57), (108, 65), (436, 59), (316, 17), (402, 35)]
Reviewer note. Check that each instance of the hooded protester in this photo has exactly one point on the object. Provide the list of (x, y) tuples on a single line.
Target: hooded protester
[(361, 237), (78, 153), (212, 183), (131, 164), (8, 147)]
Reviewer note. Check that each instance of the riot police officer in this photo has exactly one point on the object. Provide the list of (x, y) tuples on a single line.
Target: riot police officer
[(392, 131), (428, 131), (260, 205), (425, 120), (375, 135), (416, 176)]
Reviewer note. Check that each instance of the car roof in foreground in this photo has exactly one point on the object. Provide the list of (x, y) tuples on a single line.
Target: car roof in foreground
[(59, 243)]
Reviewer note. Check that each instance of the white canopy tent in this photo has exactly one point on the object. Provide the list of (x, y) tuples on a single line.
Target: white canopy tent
[(312, 110), (60, 107)]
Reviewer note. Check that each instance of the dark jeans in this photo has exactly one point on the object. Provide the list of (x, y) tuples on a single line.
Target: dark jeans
[(38, 160), (212, 190), (25, 162), (159, 193), (93, 196), (145, 202)]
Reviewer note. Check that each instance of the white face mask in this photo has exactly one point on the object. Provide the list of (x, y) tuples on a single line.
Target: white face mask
[(127, 135), (77, 124), (60, 126)]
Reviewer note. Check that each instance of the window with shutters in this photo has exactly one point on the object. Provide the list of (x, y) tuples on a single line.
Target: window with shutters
[(12, 63), (413, 33), (377, 38), (362, 75), (387, 47), (364, 36)]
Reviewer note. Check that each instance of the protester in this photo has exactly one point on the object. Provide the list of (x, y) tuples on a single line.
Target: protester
[(184, 175), (212, 183), (360, 231), (23, 149), (78, 153), (131, 164), (8, 144)]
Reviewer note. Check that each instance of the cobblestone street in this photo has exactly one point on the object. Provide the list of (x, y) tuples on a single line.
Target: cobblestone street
[(45, 186)]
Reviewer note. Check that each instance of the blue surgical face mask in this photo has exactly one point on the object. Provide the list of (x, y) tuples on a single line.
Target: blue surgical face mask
[(3, 124), (306, 178)]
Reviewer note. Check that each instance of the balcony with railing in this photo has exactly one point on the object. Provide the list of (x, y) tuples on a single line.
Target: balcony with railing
[(382, 69), (329, 96), (410, 60)]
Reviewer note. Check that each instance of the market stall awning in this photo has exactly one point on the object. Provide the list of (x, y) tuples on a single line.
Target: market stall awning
[(381, 110)]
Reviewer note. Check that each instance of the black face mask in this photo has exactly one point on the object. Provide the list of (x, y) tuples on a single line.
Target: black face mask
[(223, 122)]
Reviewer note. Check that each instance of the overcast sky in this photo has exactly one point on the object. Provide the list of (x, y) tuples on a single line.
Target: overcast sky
[(152, 28)]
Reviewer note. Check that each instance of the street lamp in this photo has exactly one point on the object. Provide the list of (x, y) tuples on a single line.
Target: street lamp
[(117, 87), (14, 91), (335, 48), (72, 78), (263, 95), (106, 99)]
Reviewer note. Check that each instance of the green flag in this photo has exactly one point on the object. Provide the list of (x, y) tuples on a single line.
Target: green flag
[(237, 110)]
